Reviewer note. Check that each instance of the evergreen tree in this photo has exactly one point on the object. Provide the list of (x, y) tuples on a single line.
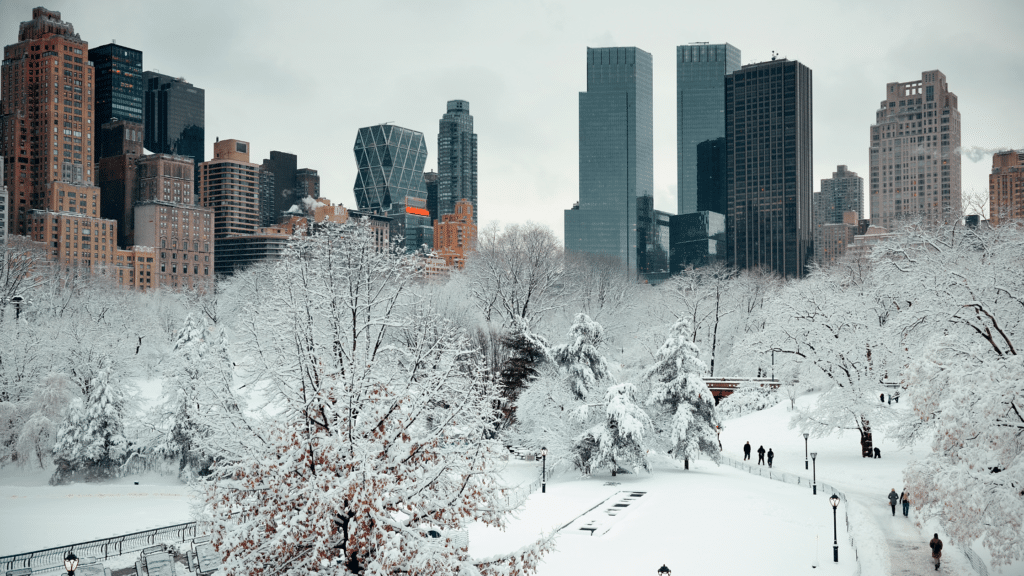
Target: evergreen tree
[(686, 408), (92, 445), (620, 438), (527, 351), (581, 364)]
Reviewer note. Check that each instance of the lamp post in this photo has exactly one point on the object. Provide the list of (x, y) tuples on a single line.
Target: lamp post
[(71, 563), (834, 501), (805, 450), (544, 470), (17, 300), (664, 571), (814, 459)]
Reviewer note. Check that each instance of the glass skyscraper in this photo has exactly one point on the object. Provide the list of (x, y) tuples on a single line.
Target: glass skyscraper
[(118, 83), (700, 113), (768, 139), (615, 213), (175, 117), (456, 159), (390, 181)]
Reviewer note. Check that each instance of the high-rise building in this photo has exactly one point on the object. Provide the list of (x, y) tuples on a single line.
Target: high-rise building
[(1006, 187), (456, 159), (430, 181), (118, 92), (915, 165), (697, 239), (283, 165), (175, 117), (615, 213), (230, 185), (700, 133), (166, 218), (267, 191), (46, 137), (120, 144), (768, 134), (390, 160), (307, 184), (840, 194), (3, 204), (455, 235), (836, 238)]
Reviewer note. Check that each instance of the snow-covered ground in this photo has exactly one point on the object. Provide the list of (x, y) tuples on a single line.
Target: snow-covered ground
[(709, 519)]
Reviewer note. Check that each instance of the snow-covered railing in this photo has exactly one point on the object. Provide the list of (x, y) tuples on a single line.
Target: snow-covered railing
[(800, 481), (976, 562), (52, 559)]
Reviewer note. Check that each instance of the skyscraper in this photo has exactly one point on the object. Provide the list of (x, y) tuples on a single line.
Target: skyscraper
[(768, 136), (283, 165), (230, 185), (307, 184), (390, 181), (456, 159), (1006, 187), (915, 165), (455, 235), (700, 112), (843, 192), (119, 90), (430, 180), (615, 213), (120, 146), (175, 117), (47, 136)]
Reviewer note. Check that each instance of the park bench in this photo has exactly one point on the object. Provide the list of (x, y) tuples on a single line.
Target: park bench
[(20, 572)]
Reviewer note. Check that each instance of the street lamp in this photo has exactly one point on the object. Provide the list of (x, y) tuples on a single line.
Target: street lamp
[(814, 459), (544, 470), (71, 563), (805, 450), (834, 501), (664, 571), (17, 300)]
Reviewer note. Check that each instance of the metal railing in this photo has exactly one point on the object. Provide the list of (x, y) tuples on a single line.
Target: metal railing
[(976, 562), (799, 481), (52, 559)]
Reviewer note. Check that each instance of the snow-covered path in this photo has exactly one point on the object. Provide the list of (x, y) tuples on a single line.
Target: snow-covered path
[(899, 544)]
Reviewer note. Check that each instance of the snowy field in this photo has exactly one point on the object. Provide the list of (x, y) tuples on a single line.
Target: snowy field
[(709, 520)]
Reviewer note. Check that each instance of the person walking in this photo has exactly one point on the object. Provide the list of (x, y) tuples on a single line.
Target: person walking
[(878, 453), (893, 499), (936, 545), (905, 499), (746, 450), (760, 455), (771, 456)]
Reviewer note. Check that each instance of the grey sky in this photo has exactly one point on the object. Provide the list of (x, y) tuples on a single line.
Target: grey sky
[(302, 77)]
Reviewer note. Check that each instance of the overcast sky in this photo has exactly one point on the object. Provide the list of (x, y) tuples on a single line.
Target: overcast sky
[(302, 77)]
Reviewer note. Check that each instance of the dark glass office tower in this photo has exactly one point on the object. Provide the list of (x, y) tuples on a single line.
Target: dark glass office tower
[(615, 213), (700, 114), (283, 165), (768, 160), (175, 117), (456, 159), (119, 90), (711, 191), (390, 181)]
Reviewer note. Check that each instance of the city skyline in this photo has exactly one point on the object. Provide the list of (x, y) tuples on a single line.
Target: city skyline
[(523, 79)]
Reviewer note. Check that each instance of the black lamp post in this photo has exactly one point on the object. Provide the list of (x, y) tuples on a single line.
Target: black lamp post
[(805, 449), (71, 563), (17, 300), (544, 470), (834, 501), (814, 459), (664, 571)]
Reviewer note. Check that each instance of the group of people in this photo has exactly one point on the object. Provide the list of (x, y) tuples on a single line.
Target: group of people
[(904, 498), (760, 454)]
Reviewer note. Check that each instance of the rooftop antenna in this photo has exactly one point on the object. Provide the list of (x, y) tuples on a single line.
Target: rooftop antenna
[(774, 54)]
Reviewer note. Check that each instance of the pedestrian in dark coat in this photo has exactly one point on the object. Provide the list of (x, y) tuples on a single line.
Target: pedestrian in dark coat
[(936, 545), (746, 450), (905, 499), (893, 499), (882, 397), (771, 456), (760, 455), (878, 453)]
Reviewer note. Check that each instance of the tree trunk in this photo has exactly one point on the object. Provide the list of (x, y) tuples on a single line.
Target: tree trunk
[(866, 448), (686, 463)]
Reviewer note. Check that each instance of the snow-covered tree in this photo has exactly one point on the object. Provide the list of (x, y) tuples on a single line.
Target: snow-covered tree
[(525, 353), (620, 440), (579, 361), (91, 442), (747, 398), (39, 433), (375, 427), (686, 415)]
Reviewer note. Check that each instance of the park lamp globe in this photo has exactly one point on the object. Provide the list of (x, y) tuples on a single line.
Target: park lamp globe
[(834, 501), (544, 451), (71, 563), (664, 571)]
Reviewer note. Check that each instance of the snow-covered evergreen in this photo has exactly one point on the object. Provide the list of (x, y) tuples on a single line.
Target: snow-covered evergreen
[(91, 442), (620, 439), (685, 409)]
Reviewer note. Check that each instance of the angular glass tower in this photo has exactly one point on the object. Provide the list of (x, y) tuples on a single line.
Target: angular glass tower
[(390, 181), (615, 214), (175, 117), (456, 159), (700, 113)]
